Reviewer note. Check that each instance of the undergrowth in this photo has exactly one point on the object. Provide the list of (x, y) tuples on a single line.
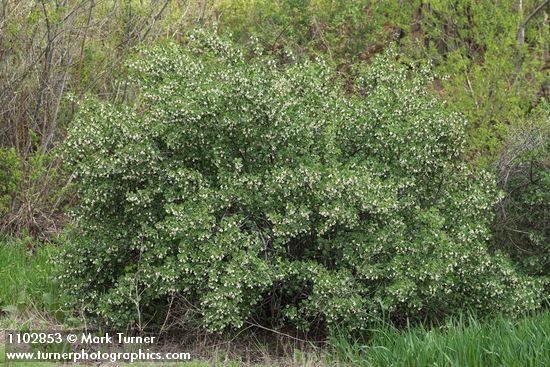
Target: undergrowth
[(25, 277)]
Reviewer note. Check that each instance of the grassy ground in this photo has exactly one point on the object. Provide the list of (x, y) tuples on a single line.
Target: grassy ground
[(462, 342), (501, 342), (28, 299), (25, 276)]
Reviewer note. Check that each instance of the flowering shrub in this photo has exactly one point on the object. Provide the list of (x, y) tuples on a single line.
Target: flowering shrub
[(250, 192)]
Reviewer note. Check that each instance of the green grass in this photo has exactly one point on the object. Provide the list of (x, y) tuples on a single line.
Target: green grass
[(462, 342), (25, 276)]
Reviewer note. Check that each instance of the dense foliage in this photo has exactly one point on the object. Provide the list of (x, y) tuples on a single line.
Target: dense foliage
[(485, 70), (522, 227), (247, 191)]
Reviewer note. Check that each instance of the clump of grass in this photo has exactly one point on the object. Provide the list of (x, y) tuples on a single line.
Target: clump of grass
[(25, 276), (464, 341)]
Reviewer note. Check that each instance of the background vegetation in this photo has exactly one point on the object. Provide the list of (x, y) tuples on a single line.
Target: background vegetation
[(80, 79)]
